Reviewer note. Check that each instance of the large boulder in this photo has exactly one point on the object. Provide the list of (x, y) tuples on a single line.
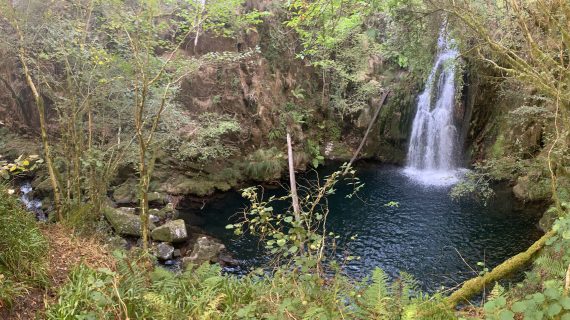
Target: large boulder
[(173, 231), (124, 221), (206, 249)]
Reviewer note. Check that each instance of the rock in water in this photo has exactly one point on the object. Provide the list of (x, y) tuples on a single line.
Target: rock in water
[(164, 251), (205, 250), (124, 222), (173, 231)]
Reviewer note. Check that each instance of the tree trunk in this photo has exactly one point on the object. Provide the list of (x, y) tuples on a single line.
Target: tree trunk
[(43, 131)]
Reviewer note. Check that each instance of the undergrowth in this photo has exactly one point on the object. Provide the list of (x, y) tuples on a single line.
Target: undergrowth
[(140, 292), (23, 250)]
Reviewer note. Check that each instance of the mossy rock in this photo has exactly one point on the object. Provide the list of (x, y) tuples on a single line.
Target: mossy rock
[(337, 151), (156, 198), (42, 186), (547, 221), (205, 249), (167, 212), (164, 251), (126, 193), (173, 231), (124, 222), (183, 185), (527, 189)]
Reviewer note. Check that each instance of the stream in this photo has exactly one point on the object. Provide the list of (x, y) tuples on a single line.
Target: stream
[(437, 240)]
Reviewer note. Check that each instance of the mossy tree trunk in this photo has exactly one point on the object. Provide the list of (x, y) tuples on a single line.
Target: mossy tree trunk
[(476, 285)]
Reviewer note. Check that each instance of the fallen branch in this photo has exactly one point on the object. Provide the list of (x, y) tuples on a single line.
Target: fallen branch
[(473, 286), (372, 121)]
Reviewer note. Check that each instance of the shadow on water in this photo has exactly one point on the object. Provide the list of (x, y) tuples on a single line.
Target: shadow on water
[(428, 235)]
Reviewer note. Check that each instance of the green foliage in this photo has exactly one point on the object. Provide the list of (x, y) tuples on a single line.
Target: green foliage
[(23, 249), (137, 292), (314, 151), (223, 18), (478, 183), (265, 164), (475, 184), (300, 237), (209, 139)]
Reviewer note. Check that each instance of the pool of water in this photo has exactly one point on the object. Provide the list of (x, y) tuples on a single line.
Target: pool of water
[(437, 240)]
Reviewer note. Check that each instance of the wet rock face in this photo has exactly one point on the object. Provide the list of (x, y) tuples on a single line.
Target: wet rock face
[(124, 221), (173, 231)]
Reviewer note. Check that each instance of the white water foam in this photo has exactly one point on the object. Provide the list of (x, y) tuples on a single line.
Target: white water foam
[(433, 151)]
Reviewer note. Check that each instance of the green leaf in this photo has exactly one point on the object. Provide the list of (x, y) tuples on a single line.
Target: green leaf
[(506, 315), (552, 293), (565, 302), (553, 309), (229, 226), (293, 249), (281, 242), (501, 301), (490, 306), (538, 297), (288, 219), (519, 306)]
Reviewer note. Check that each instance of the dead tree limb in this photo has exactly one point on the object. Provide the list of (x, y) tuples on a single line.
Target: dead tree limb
[(372, 121), (294, 195)]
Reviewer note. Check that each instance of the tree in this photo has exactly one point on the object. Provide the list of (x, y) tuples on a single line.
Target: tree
[(11, 15)]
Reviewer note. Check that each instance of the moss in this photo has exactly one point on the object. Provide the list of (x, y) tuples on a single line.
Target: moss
[(498, 148), (123, 222), (126, 192), (185, 185), (173, 231)]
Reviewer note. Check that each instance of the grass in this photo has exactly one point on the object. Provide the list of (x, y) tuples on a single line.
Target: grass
[(23, 250)]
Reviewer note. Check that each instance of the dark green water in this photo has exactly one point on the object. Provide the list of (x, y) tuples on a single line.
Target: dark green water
[(428, 235)]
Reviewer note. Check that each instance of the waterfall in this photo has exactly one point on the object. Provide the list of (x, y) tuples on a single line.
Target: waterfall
[(433, 151)]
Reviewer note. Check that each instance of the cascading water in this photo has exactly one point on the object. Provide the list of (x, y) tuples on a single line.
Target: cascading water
[(432, 154), (33, 205)]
